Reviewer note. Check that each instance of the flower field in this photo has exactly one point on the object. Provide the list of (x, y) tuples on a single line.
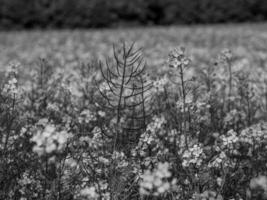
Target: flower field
[(176, 113)]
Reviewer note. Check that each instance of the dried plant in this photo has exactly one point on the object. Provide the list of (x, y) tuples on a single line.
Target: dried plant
[(126, 92)]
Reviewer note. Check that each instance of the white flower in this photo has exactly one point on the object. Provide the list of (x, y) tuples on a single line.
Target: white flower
[(49, 139), (193, 155), (89, 192), (155, 182), (259, 182), (101, 113), (178, 58)]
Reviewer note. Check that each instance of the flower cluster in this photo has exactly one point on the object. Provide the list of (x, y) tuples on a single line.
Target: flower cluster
[(207, 195), (149, 140), (49, 140), (11, 85), (220, 160), (255, 135), (229, 139), (160, 84), (194, 155), (155, 182), (86, 116), (89, 193), (178, 58), (196, 133)]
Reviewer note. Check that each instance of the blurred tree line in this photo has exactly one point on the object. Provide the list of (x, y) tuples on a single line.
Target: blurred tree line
[(104, 13)]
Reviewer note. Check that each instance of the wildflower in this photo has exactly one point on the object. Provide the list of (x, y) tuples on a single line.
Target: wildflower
[(89, 193), (193, 155), (155, 181), (11, 87), (49, 140), (12, 68), (178, 58), (156, 125), (226, 54), (160, 84), (207, 195), (219, 181), (53, 107), (101, 113), (258, 187), (86, 116), (259, 182), (230, 140), (218, 161), (104, 87)]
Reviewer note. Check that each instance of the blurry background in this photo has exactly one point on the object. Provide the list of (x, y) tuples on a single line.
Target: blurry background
[(18, 14), (68, 32)]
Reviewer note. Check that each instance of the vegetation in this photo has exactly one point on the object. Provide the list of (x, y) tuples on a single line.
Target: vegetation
[(190, 126), (104, 13)]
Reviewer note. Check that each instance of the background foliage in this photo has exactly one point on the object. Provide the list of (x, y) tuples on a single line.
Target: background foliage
[(16, 14)]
